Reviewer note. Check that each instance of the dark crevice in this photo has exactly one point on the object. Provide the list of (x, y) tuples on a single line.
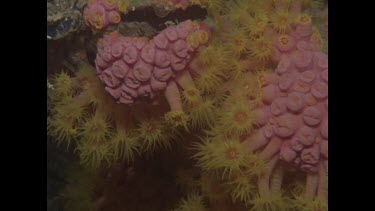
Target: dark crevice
[(148, 14)]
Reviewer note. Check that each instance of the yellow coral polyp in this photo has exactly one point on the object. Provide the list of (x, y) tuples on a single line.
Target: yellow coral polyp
[(95, 129), (261, 49), (176, 118), (214, 54), (281, 21), (304, 19), (236, 13), (236, 119), (94, 155), (210, 79), (247, 89), (202, 114), (68, 108), (238, 41), (123, 6), (124, 146), (63, 84), (257, 25), (193, 202), (62, 129), (241, 188), (193, 40), (226, 157), (153, 135), (203, 37), (96, 94), (191, 95), (237, 68)]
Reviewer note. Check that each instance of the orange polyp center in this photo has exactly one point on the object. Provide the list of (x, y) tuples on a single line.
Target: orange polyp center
[(203, 36), (95, 127), (231, 153), (282, 20), (177, 118), (240, 117), (304, 19), (150, 128), (192, 93), (98, 21), (116, 18), (284, 40)]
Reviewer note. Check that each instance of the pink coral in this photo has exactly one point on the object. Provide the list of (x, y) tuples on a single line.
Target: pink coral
[(131, 68), (295, 99), (100, 13)]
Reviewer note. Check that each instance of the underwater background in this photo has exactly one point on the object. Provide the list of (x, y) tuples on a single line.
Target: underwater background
[(187, 105)]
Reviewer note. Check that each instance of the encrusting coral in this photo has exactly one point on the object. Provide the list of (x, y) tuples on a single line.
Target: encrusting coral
[(100, 13), (132, 68), (229, 113)]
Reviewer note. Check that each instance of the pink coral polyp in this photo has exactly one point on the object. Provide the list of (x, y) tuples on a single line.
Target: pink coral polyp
[(142, 71), (130, 55), (148, 53), (120, 69)]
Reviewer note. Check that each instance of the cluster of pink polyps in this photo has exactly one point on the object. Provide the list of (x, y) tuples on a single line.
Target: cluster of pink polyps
[(292, 123), (100, 13), (132, 68)]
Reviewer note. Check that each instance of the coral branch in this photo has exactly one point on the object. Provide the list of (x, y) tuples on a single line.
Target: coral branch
[(172, 95), (264, 180), (323, 183), (185, 80), (272, 148), (312, 181), (277, 179), (255, 141)]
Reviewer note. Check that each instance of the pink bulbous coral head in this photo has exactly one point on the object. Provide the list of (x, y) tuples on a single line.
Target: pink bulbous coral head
[(132, 68), (293, 117), (98, 14)]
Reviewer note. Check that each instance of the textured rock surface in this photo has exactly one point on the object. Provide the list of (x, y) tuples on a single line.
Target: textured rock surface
[(63, 17)]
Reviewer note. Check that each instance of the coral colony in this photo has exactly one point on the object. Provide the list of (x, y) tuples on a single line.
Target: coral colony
[(226, 113)]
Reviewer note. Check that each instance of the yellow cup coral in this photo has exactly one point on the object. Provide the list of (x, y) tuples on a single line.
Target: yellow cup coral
[(193, 40)]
